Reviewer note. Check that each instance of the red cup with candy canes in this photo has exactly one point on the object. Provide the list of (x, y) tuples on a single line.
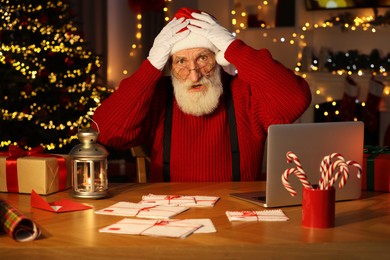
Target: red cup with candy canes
[(318, 207), (318, 201)]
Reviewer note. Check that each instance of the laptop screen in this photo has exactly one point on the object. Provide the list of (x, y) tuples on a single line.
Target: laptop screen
[(311, 142)]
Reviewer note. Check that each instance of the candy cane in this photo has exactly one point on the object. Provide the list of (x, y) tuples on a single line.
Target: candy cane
[(343, 172), (286, 183), (346, 172), (298, 171), (302, 177), (324, 169), (358, 166), (334, 175), (292, 157)]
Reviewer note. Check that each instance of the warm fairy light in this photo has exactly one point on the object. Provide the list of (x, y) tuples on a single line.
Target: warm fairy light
[(40, 74), (138, 34)]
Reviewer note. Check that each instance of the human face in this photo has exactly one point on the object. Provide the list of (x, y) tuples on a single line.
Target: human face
[(199, 93), (193, 64)]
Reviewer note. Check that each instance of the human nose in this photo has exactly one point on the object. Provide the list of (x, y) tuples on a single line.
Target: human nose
[(195, 74)]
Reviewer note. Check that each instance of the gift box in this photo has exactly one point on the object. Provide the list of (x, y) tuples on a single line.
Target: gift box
[(22, 172), (376, 169)]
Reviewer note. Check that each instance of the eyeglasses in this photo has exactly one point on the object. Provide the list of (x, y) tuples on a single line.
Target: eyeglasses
[(204, 63)]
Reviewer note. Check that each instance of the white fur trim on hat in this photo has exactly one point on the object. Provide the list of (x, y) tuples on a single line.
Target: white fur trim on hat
[(193, 41), (197, 41), (220, 58)]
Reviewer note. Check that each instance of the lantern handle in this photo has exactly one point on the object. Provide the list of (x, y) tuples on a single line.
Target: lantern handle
[(97, 126)]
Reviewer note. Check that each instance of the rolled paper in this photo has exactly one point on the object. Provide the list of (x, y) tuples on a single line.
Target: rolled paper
[(17, 225)]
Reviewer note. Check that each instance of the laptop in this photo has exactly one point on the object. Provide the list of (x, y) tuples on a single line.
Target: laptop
[(310, 142)]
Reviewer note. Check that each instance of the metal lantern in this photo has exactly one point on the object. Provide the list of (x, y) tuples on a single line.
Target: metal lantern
[(89, 166)]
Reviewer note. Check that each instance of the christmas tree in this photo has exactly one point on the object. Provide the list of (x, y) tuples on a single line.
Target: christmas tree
[(48, 77)]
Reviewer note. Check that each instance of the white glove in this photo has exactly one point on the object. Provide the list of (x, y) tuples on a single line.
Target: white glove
[(162, 45), (209, 28)]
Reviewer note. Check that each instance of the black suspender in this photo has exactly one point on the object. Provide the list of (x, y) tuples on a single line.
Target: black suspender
[(167, 133), (232, 128), (233, 135)]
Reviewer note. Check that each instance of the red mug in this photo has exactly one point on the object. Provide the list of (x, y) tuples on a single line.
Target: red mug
[(318, 208)]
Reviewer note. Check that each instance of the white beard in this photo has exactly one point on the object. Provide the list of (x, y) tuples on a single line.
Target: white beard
[(198, 103)]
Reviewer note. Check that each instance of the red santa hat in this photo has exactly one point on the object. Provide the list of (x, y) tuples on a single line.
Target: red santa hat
[(195, 40)]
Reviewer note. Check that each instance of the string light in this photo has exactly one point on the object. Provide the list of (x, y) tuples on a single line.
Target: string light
[(51, 80), (345, 21), (136, 46)]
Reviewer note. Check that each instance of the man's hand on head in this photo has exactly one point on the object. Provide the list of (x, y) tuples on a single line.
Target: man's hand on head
[(162, 46)]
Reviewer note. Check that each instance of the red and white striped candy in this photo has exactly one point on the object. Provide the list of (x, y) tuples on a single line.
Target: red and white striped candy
[(334, 174), (291, 157), (298, 171), (358, 166), (331, 171), (324, 169)]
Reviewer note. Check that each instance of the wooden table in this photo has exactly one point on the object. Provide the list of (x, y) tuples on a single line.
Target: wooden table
[(362, 229)]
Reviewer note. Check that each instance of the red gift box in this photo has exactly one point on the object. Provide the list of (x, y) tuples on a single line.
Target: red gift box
[(376, 171), (21, 171)]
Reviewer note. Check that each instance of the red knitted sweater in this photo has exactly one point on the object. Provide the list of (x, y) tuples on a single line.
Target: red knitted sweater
[(264, 93)]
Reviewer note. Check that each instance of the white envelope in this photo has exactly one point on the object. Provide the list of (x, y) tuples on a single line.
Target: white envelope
[(179, 200), (130, 209), (263, 215), (148, 227)]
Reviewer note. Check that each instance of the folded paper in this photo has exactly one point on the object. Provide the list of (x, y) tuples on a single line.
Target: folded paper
[(263, 215), (16, 224), (148, 227), (129, 209), (207, 224), (179, 200), (59, 206)]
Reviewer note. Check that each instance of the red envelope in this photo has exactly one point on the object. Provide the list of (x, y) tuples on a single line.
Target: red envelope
[(62, 205)]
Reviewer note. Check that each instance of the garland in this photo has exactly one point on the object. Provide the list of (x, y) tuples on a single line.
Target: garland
[(347, 20), (354, 61)]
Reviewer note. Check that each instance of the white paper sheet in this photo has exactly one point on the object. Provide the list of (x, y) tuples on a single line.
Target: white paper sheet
[(130, 209), (179, 200), (207, 224), (263, 215), (147, 227)]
